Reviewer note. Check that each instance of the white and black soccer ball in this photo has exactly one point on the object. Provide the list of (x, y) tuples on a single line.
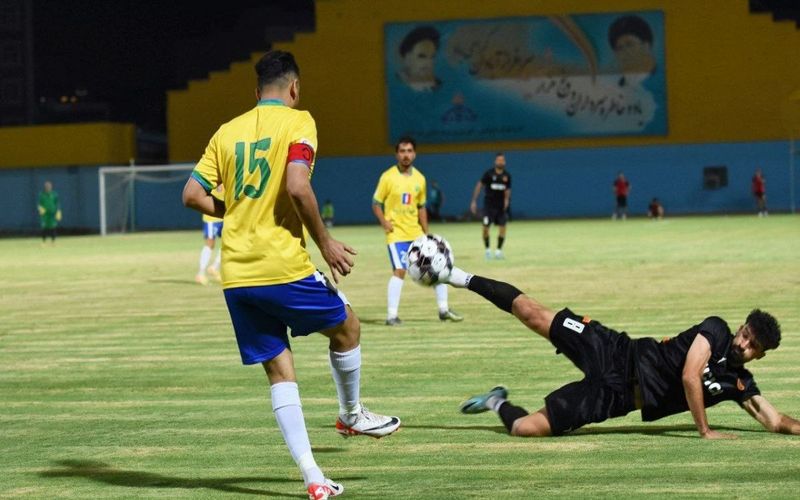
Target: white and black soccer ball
[(430, 260)]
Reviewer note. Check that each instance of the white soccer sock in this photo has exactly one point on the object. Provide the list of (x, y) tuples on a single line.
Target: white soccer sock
[(494, 403), (346, 371), (441, 297), (289, 414), (459, 278), (218, 259), (395, 289), (205, 256)]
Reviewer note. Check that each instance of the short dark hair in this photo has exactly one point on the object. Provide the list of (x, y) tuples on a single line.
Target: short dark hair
[(406, 139), (499, 153), (629, 25), (417, 35), (275, 65), (765, 328)]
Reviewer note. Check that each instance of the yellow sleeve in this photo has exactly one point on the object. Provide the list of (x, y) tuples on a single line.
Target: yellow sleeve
[(219, 192), (423, 195), (382, 191), (206, 172), (305, 132)]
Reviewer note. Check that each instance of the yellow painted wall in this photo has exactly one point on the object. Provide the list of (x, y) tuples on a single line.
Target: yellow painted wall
[(73, 144), (729, 74)]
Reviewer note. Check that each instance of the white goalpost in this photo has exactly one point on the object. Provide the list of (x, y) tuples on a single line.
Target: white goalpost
[(117, 191)]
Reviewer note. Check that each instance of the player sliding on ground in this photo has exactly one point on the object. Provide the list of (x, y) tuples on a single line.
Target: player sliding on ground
[(693, 370)]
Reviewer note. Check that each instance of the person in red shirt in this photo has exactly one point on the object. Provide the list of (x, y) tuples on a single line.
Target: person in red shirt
[(760, 192), (621, 189)]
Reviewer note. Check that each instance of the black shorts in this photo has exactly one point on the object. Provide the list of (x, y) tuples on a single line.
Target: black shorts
[(604, 356), (622, 201), (494, 215)]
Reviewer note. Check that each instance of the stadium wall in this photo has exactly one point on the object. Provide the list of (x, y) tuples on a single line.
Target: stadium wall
[(72, 144), (729, 75), (546, 183)]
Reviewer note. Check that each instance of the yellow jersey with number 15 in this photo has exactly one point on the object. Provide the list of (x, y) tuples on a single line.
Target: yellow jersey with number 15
[(402, 195), (263, 241)]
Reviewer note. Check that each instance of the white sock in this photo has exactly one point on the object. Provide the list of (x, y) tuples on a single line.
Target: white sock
[(459, 278), (289, 414), (218, 259), (494, 403), (346, 370), (395, 288), (205, 256), (441, 297)]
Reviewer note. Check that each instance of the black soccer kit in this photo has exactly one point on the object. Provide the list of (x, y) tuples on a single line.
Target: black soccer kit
[(614, 365), (495, 186), (660, 368)]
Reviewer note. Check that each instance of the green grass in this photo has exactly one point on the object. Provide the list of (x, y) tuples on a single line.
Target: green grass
[(120, 377)]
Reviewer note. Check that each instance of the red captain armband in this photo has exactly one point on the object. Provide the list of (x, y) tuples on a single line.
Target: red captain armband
[(301, 153)]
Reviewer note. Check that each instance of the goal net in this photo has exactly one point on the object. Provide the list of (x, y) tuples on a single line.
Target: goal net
[(135, 196)]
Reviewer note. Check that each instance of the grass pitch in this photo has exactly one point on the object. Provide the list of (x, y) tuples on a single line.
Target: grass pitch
[(120, 377)]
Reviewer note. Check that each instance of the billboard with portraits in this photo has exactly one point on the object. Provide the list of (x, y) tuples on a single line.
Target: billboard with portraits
[(538, 77)]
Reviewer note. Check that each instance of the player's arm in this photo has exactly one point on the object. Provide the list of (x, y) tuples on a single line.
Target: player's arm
[(197, 198), (377, 209), (506, 199), (381, 192), (692, 378), (335, 253), (473, 204), (423, 219), (774, 421)]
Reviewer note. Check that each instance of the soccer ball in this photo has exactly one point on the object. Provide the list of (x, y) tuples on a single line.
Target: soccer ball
[(430, 260)]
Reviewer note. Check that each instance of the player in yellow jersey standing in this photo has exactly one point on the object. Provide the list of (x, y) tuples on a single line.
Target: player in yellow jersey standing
[(212, 230), (265, 159), (399, 205)]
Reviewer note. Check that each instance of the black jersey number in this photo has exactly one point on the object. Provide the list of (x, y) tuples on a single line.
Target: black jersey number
[(257, 169)]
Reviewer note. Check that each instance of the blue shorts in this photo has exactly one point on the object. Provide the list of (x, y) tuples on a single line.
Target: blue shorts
[(261, 314), (397, 254), (212, 230)]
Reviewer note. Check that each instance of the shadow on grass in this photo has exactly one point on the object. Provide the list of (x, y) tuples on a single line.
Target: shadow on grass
[(655, 430), (173, 281), (103, 473), (646, 430), (493, 428)]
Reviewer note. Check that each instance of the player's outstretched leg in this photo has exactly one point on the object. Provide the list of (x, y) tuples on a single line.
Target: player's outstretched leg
[(506, 297), (345, 358)]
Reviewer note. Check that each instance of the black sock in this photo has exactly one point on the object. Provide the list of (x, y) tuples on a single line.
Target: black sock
[(497, 292), (509, 413), (500, 240), (486, 242)]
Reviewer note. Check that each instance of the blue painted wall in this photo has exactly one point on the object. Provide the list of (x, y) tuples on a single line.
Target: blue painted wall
[(546, 183), (577, 182)]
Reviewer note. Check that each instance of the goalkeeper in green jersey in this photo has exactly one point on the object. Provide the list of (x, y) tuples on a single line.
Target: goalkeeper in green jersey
[(49, 212)]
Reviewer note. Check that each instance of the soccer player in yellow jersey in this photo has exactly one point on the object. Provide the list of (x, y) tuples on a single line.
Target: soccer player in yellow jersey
[(265, 159), (399, 205), (212, 229)]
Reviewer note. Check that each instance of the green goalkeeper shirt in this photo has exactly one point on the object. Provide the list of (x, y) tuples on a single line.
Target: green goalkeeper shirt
[(49, 204)]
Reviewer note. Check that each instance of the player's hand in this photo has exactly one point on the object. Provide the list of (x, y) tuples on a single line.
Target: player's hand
[(473, 207), (338, 256), (41, 210), (388, 226), (58, 215), (711, 434)]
